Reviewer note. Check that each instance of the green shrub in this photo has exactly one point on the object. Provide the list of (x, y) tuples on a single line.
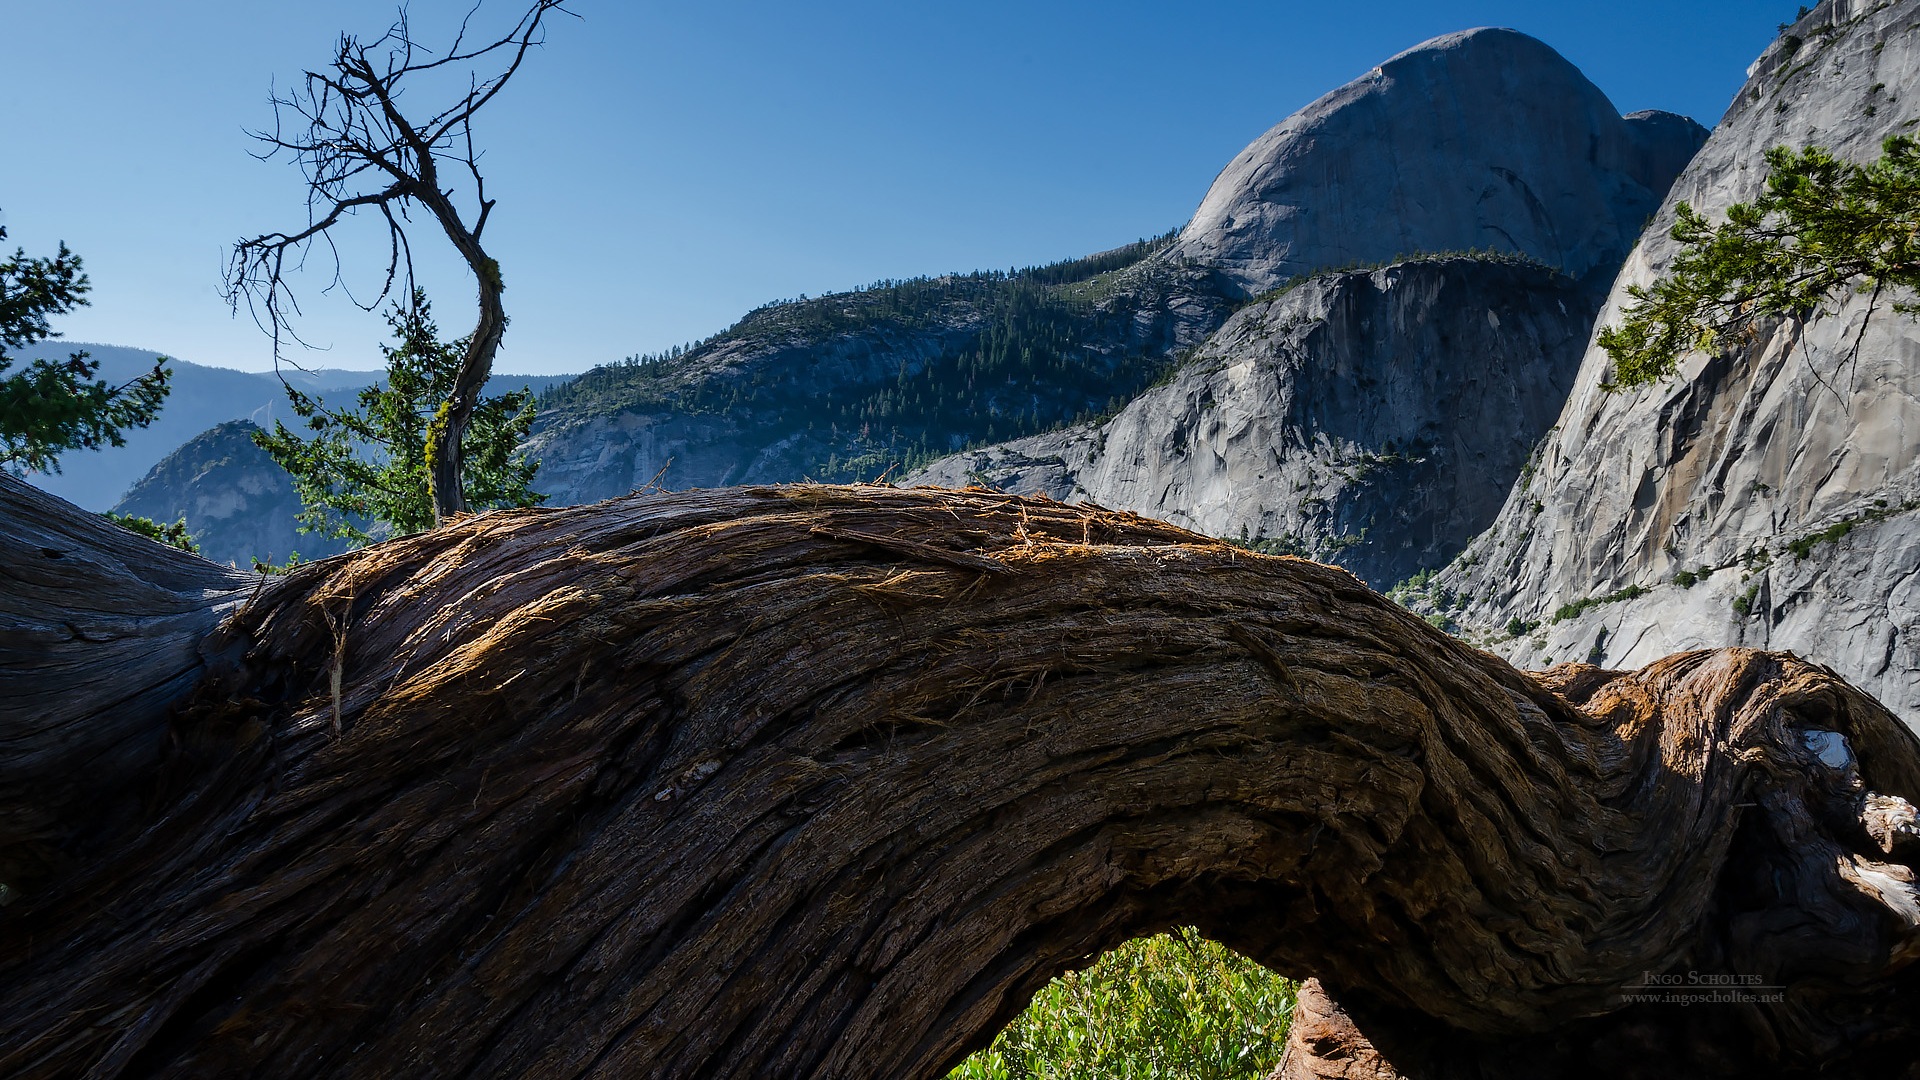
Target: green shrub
[(1743, 604), (1578, 607), (1416, 583), (1804, 546), (1686, 579), (173, 534), (1170, 1007)]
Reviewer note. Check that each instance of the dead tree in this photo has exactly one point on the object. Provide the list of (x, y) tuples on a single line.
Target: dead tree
[(826, 782), (359, 151)]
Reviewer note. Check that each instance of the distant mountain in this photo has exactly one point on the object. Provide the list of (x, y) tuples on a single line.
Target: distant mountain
[(238, 505), (201, 398)]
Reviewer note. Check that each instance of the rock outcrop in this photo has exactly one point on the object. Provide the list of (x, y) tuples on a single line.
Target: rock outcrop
[(1768, 495), (1374, 419), (237, 503), (1486, 139)]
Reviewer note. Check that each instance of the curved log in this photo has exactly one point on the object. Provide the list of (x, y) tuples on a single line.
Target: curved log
[(99, 638), (810, 781)]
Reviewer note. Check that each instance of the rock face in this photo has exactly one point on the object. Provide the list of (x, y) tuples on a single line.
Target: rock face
[(1486, 139), (1781, 478), (1374, 419), (238, 504)]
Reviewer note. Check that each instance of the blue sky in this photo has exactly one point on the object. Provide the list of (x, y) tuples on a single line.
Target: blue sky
[(662, 168)]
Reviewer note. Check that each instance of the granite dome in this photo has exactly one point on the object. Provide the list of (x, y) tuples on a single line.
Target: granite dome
[(1483, 139)]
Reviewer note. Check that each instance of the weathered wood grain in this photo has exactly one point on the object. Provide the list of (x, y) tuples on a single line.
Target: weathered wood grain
[(99, 638), (826, 782)]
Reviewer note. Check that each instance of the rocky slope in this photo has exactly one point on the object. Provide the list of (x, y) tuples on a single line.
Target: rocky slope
[(1378, 420), (1374, 419), (1486, 139), (1768, 495), (237, 503)]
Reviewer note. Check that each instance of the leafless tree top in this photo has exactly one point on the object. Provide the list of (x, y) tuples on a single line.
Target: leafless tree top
[(358, 150)]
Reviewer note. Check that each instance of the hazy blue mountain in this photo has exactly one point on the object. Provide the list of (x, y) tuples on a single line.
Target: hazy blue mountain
[(202, 397), (238, 505)]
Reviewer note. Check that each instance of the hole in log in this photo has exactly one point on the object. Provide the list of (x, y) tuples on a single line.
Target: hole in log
[(1172, 1004)]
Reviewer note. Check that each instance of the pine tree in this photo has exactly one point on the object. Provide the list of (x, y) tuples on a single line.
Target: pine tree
[(368, 466)]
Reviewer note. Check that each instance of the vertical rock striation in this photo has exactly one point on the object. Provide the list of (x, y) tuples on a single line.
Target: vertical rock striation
[(1767, 495)]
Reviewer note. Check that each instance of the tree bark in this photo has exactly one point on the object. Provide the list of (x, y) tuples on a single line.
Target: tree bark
[(446, 434), (826, 782), (99, 637)]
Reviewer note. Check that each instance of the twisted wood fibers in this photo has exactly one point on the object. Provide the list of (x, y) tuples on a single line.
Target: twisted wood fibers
[(826, 782)]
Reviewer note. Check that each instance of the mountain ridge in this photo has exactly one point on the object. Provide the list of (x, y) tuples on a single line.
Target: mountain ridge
[(856, 385), (202, 396)]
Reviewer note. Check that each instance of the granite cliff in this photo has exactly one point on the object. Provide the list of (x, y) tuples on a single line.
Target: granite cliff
[(1377, 419), (1373, 418), (1770, 494)]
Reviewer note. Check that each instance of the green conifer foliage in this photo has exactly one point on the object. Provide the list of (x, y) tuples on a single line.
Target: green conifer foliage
[(367, 466), (51, 407), (1823, 230)]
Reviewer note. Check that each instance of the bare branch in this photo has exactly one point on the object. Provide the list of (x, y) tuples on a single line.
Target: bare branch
[(356, 147)]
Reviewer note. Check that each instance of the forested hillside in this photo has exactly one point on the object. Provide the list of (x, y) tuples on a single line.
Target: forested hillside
[(854, 385)]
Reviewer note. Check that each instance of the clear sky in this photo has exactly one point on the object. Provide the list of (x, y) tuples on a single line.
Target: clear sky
[(661, 168)]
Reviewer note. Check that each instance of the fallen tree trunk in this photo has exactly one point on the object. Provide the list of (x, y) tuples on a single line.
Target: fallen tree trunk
[(826, 782)]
